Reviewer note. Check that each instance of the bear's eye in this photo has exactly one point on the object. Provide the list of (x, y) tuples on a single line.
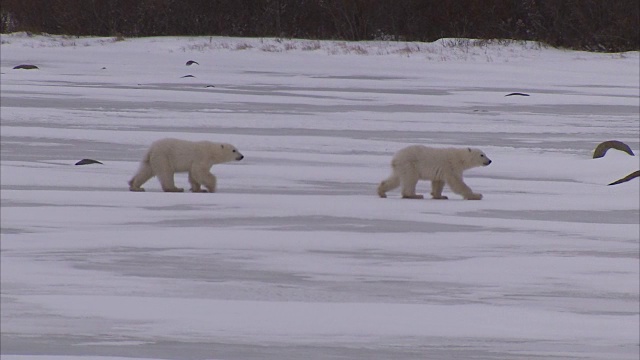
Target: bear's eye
[(482, 155), (234, 150)]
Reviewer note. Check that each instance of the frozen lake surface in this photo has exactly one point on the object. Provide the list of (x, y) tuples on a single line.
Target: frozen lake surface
[(295, 256)]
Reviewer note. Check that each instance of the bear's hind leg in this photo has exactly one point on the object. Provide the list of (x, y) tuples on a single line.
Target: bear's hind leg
[(389, 184), (164, 172), (167, 183), (142, 176), (436, 190), (409, 182)]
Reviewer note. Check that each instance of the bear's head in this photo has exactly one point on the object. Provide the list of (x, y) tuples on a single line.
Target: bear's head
[(230, 153), (477, 158)]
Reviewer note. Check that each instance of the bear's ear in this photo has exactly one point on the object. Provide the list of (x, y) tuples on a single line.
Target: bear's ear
[(222, 146), (469, 149)]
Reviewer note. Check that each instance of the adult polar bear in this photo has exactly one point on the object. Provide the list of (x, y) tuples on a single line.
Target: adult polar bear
[(418, 162), (168, 156)]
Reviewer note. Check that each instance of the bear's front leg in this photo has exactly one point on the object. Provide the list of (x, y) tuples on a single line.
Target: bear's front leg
[(210, 182), (204, 177), (195, 186), (459, 187)]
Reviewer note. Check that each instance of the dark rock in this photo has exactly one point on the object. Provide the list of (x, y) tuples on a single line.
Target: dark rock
[(88, 161), (602, 148), (26, 67)]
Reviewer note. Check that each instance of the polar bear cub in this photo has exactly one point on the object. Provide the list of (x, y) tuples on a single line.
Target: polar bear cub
[(418, 162), (166, 157)]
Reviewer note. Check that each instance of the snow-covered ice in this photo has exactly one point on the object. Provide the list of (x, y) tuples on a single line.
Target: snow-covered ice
[(296, 257)]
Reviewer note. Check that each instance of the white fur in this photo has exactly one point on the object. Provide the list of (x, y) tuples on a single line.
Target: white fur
[(169, 156), (440, 166)]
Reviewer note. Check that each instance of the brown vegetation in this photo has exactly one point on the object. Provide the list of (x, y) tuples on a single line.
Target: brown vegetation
[(595, 25)]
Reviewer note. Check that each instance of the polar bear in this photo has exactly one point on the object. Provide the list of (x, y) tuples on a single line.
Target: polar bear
[(418, 162), (168, 156)]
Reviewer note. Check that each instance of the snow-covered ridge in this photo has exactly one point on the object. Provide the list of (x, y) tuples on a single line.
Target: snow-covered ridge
[(446, 49)]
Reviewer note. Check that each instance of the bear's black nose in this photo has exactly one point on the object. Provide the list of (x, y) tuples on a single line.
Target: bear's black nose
[(240, 157), (488, 162)]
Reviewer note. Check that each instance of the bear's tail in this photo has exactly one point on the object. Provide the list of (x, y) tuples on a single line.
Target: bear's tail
[(389, 184), (147, 157)]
